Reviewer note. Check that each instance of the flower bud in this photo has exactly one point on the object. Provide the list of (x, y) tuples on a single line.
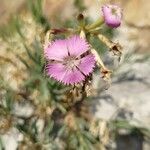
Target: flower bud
[(112, 15)]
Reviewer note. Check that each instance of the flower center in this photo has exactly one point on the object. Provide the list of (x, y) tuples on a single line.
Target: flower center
[(114, 11), (71, 62)]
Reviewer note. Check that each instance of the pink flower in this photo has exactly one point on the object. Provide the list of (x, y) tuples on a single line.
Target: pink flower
[(112, 15), (70, 60)]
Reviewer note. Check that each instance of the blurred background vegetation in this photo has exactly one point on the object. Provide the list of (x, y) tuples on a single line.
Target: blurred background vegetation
[(39, 113)]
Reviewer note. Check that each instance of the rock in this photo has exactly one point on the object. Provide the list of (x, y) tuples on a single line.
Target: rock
[(129, 91), (23, 109), (11, 138), (129, 142)]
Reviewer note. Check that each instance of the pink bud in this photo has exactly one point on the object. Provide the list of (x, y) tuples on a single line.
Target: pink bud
[(112, 15)]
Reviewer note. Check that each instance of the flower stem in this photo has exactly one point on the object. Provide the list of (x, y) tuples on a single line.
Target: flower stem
[(96, 24)]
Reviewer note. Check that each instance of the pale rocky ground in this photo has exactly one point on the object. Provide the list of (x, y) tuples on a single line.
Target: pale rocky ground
[(128, 95)]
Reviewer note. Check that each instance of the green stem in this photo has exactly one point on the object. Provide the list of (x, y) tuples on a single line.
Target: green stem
[(96, 24)]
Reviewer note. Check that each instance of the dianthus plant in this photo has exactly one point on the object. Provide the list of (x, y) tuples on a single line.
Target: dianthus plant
[(72, 60)]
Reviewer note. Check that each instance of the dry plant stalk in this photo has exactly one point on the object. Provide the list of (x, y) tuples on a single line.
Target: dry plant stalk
[(116, 48)]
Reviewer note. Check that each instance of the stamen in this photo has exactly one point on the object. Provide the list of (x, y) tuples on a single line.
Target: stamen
[(71, 62)]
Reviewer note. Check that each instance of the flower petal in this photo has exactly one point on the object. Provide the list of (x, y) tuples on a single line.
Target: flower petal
[(73, 77), (57, 50), (77, 45), (87, 64), (56, 71), (59, 73)]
